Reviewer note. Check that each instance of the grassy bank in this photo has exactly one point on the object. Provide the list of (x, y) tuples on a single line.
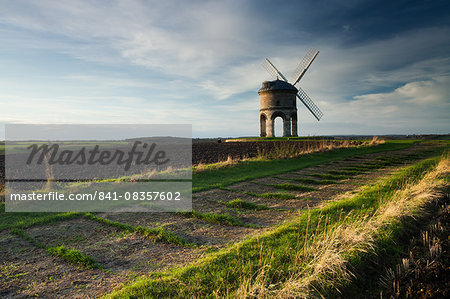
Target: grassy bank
[(212, 177), (311, 255)]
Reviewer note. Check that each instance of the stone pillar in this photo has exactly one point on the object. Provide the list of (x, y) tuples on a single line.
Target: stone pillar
[(286, 127), (262, 125), (269, 127), (294, 124)]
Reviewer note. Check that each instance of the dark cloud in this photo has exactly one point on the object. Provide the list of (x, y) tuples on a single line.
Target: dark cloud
[(351, 22)]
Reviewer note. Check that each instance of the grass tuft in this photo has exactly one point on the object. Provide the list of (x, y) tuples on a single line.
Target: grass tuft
[(330, 176), (241, 204), (74, 256), (157, 234), (272, 195), (213, 218), (313, 181), (27, 220), (287, 186), (345, 172)]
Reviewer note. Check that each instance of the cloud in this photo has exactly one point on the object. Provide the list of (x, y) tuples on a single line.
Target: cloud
[(415, 107)]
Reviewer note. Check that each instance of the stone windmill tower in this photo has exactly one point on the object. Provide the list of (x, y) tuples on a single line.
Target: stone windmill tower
[(278, 98)]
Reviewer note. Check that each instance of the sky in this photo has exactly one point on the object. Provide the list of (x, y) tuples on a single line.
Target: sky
[(383, 66)]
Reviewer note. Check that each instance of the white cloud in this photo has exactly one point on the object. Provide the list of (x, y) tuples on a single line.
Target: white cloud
[(415, 107)]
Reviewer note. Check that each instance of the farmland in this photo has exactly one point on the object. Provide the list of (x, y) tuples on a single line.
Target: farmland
[(265, 222)]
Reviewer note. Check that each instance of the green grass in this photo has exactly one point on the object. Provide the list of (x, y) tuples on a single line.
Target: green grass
[(27, 220), (222, 273), (213, 218), (242, 204), (272, 195), (293, 187), (330, 176), (313, 181), (157, 234), (21, 233), (73, 256), (247, 170), (345, 172)]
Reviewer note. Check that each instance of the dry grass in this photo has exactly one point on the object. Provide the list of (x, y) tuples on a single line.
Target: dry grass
[(230, 161), (409, 270), (323, 260), (48, 173), (290, 150), (376, 140)]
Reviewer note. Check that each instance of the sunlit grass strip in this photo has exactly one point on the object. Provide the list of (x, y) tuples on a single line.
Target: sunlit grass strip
[(73, 256), (251, 169), (311, 181), (287, 261), (345, 172), (213, 218), (330, 176), (21, 233), (157, 234), (272, 195), (242, 204), (293, 187), (23, 220)]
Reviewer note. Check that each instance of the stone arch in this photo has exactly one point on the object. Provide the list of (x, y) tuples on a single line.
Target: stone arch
[(286, 123), (262, 124)]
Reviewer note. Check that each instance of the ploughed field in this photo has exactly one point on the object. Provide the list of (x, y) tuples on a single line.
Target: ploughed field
[(98, 253), (213, 152)]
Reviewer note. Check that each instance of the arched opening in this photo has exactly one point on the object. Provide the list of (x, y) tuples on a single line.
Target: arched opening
[(279, 124), (262, 124)]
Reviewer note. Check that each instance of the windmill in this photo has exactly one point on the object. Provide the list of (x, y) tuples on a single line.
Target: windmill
[(278, 98)]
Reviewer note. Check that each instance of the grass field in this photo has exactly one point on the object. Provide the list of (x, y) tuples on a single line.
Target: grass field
[(301, 227), (246, 170), (308, 256)]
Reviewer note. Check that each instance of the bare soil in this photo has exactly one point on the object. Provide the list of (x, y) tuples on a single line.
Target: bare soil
[(213, 152)]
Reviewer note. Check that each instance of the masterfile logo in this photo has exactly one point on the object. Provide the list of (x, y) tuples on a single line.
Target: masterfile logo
[(98, 168), (146, 156)]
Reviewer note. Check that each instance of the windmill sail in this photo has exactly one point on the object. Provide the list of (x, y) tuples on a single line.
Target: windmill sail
[(304, 65), (273, 70), (299, 72), (306, 100)]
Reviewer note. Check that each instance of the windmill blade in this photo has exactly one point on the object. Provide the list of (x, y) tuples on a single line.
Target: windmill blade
[(269, 69), (304, 65), (306, 100), (273, 70)]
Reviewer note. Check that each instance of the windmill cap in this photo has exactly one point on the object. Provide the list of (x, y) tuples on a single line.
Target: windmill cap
[(277, 85)]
